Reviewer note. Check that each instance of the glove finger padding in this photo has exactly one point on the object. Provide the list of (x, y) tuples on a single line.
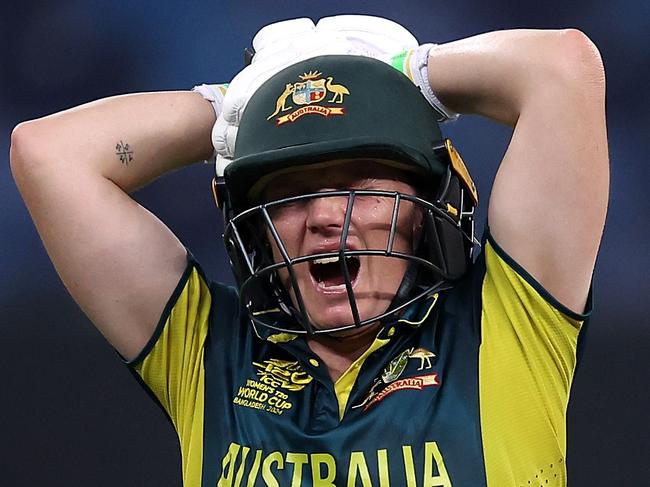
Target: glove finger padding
[(383, 37), (271, 34)]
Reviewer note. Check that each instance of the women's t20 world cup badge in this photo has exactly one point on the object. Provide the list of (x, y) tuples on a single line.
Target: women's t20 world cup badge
[(308, 94)]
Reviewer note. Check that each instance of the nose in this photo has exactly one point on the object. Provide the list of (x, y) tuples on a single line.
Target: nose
[(326, 214)]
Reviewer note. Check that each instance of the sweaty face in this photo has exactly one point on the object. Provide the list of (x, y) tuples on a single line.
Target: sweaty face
[(315, 226)]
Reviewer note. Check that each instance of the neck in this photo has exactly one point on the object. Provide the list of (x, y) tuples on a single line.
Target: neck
[(338, 352)]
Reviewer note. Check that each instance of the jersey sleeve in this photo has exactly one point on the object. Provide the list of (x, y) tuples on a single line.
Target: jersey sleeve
[(527, 359), (171, 366)]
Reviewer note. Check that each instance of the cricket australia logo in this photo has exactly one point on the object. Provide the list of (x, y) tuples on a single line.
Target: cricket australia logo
[(307, 95), (390, 381)]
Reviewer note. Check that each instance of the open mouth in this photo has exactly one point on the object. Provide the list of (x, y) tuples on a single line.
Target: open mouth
[(328, 275)]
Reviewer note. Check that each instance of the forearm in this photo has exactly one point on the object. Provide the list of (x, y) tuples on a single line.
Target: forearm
[(495, 74), (164, 131)]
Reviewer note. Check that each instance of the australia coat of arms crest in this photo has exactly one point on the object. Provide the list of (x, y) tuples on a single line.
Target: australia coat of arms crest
[(306, 97)]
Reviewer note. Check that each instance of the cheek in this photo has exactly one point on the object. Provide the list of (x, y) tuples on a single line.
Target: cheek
[(372, 217), (290, 229), (407, 228), (415, 225)]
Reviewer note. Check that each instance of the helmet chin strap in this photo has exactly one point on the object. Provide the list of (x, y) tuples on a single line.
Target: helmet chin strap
[(409, 280), (404, 290)]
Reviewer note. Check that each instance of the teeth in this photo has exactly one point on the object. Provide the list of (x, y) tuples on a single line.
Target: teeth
[(326, 260), (336, 287), (330, 260)]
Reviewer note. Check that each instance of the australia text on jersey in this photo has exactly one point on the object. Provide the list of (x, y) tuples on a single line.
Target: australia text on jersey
[(243, 465)]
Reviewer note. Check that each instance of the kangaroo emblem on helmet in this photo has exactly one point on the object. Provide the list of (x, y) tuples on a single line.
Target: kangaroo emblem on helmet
[(282, 100)]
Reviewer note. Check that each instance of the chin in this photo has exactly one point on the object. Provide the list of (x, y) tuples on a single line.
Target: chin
[(325, 317)]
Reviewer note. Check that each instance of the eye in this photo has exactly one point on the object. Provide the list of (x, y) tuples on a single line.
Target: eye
[(287, 209)]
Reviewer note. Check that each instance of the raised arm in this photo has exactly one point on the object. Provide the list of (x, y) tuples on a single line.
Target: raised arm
[(75, 170), (549, 200)]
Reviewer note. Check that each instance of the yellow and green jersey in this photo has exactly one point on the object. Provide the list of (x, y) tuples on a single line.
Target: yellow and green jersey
[(468, 388)]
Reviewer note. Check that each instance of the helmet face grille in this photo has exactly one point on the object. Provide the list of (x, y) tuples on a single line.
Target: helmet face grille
[(266, 273)]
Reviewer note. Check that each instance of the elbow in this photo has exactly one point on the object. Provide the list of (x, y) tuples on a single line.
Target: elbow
[(578, 61), (24, 149)]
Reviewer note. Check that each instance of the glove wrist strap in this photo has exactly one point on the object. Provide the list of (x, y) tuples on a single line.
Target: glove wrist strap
[(415, 65), (214, 94)]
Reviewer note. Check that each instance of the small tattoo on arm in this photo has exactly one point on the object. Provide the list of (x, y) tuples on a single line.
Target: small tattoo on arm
[(124, 152)]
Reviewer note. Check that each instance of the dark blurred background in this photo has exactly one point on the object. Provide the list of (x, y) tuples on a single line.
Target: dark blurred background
[(71, 414)]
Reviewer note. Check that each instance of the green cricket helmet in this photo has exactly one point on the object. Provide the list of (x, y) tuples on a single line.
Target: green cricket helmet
[(325, 109)]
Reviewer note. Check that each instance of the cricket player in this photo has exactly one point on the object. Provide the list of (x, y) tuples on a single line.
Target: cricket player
[(371, 339)]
